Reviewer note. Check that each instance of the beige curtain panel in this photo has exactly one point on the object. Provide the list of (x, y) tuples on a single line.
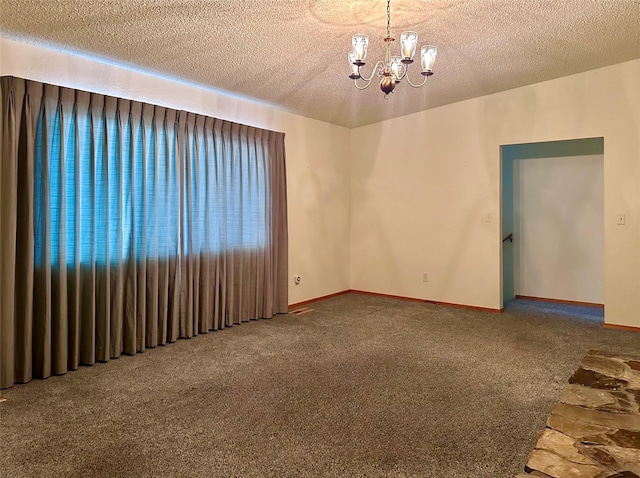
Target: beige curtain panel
[(127, 225)]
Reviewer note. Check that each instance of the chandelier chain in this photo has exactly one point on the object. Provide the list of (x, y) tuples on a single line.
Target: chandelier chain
[(388, 18)]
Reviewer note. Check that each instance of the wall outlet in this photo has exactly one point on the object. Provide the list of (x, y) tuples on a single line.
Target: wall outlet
[(425, 277)]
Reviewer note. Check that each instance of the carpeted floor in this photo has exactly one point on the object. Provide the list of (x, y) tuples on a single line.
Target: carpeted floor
[(360, 387)]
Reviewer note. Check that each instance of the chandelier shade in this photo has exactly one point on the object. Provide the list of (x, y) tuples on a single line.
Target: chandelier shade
[(360, 44), (394, 68), (353, 61), (428, 58), (408, 42), (397, 68)]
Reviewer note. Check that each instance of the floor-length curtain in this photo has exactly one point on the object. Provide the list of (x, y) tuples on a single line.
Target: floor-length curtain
[(127, 225)]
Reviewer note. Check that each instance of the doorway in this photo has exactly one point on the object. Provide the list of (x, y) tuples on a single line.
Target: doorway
[(552, 221)]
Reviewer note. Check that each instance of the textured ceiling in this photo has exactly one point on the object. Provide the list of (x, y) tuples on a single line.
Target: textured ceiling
[(293, 53)]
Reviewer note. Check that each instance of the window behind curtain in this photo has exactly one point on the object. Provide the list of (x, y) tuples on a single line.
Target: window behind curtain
[(117, 191)]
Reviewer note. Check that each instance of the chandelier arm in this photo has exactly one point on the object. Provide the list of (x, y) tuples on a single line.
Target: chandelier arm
[(378, 65), (366, 85), (416, 86), (404, 73)]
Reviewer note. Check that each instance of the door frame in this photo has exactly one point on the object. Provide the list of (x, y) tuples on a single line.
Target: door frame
[(519, 151)]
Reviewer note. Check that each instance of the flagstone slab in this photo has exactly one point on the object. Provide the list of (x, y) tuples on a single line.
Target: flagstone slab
[(594, 430), (615, 356), (558, 467), (587, 397), (616, 401), (593, 379), (620, 438), (604, 365), (562, 445), (573, 428), (633, 377), (599, 455), (626, 458), (602, 418), (626, 439)]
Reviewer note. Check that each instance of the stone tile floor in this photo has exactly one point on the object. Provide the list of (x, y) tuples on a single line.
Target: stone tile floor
[(594, 432)]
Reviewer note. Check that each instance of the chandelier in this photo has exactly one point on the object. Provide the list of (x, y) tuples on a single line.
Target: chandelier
[(394, 68)]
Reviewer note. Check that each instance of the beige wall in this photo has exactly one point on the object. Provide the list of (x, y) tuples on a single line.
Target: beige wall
[(423, 184), (317, 173), (414, 194)]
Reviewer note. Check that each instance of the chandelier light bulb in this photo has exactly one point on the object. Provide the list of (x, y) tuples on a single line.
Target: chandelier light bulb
[(360, 44)]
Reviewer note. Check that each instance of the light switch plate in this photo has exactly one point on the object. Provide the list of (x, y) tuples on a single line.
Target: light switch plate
[(621, 219)]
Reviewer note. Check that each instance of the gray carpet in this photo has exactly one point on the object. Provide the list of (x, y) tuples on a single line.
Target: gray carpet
[(361, 386)]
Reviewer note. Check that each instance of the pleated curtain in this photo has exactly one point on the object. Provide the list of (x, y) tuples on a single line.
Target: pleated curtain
[(126, 226)]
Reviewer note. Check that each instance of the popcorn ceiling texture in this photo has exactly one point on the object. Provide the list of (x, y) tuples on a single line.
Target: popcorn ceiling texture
[(293, 53)]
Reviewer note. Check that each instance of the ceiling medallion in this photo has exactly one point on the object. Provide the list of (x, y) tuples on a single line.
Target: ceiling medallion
[(394, 68)]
